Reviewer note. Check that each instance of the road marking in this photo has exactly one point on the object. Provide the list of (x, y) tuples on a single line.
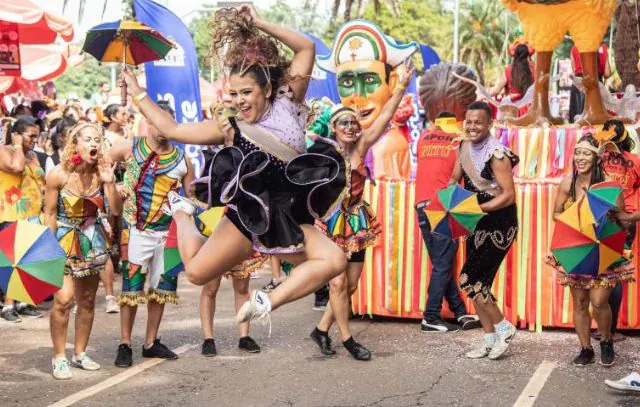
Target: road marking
[(536, 383), (119, 378)]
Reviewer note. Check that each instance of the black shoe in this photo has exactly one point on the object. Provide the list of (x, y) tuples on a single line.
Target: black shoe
[(438, 325), (124, 358), (467, 322), (247, 343), (321, 299), (323, 341), (607, 355), (158, 350), (356, 350), (209, 347), (586, 357)]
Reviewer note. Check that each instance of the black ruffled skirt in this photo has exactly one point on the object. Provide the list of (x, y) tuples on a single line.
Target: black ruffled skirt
[(273, 189)]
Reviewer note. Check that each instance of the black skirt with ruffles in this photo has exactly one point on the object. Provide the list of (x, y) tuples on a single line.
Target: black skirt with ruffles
[(271, 189)]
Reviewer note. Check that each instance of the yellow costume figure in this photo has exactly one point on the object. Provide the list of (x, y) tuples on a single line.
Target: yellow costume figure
[(545, 23)]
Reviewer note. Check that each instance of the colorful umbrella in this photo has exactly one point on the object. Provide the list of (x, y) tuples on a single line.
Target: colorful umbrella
[(600, 199), (126, 41), (455, 213), (31, 262), (587, 250)]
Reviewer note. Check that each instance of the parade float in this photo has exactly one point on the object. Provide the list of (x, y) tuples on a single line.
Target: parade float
[(397, 270)]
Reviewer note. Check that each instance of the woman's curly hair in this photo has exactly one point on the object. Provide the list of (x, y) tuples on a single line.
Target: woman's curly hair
[(240, 48), (71, 145)]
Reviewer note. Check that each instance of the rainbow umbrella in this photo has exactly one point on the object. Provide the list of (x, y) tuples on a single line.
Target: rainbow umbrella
[(127, 42), (31, 262), (455, 213), (587, 250), (600, 199)]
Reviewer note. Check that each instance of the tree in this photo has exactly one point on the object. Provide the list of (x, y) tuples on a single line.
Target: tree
[(360, 6), (481, 36), (423, 22), (83, 80), (201, 34)]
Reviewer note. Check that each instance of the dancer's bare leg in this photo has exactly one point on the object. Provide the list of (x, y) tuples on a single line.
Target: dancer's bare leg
[(208, 307), (581, 317), (341, 289), (107, 277), (155, 311), (59, 316), (320, 262), (85, 292), (204, 260), (241, 295), (599, 298)]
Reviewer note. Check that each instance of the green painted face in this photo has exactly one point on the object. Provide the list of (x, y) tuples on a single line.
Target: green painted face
[(358, 82)]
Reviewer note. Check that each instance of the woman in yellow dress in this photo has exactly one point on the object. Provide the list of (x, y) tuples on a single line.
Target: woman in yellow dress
[(21, 184)]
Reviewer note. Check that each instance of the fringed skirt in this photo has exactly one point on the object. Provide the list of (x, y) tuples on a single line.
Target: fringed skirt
[(621, 271), (353, 229)]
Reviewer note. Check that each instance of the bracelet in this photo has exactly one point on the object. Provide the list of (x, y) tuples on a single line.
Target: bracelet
[(139, 98), (402, 87), (16, 145)]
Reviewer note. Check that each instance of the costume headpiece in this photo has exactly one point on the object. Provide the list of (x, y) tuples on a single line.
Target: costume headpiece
[(587, 146), (339, 111), (362, 40)]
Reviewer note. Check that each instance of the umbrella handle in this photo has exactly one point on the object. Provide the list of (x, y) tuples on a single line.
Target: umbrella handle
[(123, 89), (123, 93)]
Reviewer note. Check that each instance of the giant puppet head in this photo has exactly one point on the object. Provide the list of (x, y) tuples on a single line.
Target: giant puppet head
[(364, 59)]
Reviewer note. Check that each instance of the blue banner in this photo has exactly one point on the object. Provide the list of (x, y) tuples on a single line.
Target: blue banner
[(322, 84), (429, 56), (175, 78)]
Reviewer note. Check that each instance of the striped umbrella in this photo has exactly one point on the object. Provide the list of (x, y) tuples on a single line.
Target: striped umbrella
[(127, 42)]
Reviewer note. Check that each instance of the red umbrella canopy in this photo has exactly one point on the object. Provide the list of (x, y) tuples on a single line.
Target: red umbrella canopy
[(35, 25)]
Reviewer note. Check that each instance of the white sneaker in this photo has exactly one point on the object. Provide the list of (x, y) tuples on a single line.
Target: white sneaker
[(179, 203), (61, 368), (627, 383), (502, 343), (83, 361), (111, 305), (481, 351)]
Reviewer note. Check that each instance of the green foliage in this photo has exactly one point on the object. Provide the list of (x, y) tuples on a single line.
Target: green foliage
[(83, 80), (482, 35), (201, 33), (424, 22)]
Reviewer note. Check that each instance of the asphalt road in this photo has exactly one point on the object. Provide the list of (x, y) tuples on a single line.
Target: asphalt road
[(409, 367)]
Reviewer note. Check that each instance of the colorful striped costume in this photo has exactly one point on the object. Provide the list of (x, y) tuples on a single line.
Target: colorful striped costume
[(81, 233), (152, 250), (353, 227)]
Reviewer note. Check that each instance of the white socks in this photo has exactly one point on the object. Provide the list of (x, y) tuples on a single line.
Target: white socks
[(503, 326), (491, 338)]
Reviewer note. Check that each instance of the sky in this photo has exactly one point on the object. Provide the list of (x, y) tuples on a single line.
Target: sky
[(185, 9)]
